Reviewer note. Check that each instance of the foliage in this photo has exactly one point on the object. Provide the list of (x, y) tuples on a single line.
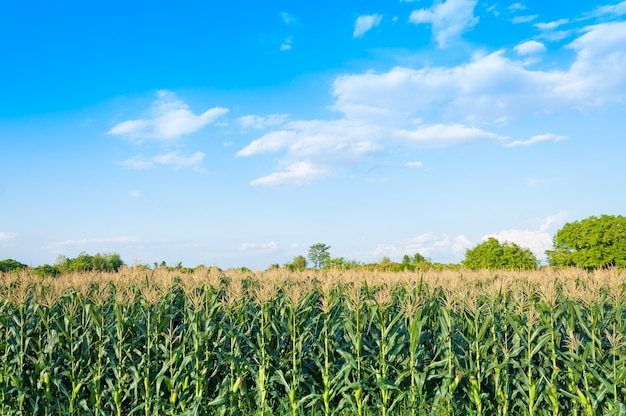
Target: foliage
[(595, 242), (10, 265), (297, 264), (341, 263), (47, 270), (319, 255), (492, 254), (318, 343), (109, 262)]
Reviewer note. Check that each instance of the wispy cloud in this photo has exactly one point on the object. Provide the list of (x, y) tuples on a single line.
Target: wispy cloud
[(524, 19), (296, 174), (364, 23), (517, 6), (270, 246), (85, 243), (551, 25), (168, 118), (413, 164), (6, 236), (614, 10), (287, 44), (260, 122), (135, 194), (171, 159), (449, 19), (536, 139), (288, 18)]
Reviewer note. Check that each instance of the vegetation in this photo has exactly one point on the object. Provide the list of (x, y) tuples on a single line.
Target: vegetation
[(492, 254), (10, 265), (595, 242), (331, 342), (110, 262), (319, 255)]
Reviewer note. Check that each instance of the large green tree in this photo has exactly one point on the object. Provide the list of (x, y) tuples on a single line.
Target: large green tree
[(492, 254), (594, 242), (319, 255)]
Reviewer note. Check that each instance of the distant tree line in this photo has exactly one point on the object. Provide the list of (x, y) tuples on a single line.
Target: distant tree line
[(591, 243), (109, 262)]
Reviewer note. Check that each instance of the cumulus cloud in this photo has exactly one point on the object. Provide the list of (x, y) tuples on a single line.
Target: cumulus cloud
[(536, 139), (449, 19), (168, 118), (531, 47), (377, 111), (364, 23), (538, 241), (491, 86), (437, 244), (172, 159)]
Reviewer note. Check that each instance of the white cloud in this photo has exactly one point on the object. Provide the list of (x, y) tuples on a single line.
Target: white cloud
[(449, 19), (288, 18), (135, 194), (437, 245), (286, 45), (531, 47), (517, 6), (492, 86), (85, 243), (551, 25), (296, 174), (618, 9), (538, 241), (173, 159), (536, 139), (168, 118), (524, 19), (364, 23), (414, 164), (259, 122), (381, 110), (137, 163), (177, 161)]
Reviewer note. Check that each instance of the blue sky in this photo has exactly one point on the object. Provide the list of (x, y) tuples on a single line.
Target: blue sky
[(241, 133)]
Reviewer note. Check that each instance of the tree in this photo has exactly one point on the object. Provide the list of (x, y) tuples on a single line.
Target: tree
[(319, 255), (595, 242), (297, 264), (492, 254), (10, 265)]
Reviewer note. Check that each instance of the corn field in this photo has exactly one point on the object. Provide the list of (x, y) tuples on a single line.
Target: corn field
[(141, 342)]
